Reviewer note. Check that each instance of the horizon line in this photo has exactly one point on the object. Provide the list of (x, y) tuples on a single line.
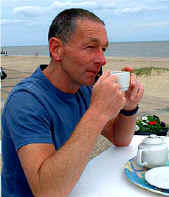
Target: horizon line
[(109, 42)]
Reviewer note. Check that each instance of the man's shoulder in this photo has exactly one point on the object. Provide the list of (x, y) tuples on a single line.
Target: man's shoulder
[(30, 84), (26, 85), (26, 90)]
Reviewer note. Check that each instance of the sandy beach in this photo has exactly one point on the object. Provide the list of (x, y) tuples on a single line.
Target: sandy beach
[(156, 96)]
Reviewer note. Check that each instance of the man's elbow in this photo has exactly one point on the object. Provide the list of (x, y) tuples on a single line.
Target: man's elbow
[(122, 144)]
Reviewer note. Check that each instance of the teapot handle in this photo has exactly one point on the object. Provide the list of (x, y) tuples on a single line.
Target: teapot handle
[(139, 158)]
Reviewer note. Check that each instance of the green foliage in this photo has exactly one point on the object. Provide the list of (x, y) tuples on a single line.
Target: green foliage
[(148, 70), (151, 124)]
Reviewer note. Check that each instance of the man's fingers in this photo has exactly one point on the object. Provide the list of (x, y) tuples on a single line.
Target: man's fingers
[(104, 75), (128, 69), (107, 75), (137, 92), (132, 80)]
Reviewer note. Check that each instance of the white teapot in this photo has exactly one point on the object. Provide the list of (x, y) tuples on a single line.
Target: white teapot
[(152, 152)]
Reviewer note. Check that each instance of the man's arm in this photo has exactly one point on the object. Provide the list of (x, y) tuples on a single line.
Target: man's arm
[(54, 173), (121, 130)]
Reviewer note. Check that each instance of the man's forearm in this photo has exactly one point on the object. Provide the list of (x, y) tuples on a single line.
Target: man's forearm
[(124, 127), (60, 172)]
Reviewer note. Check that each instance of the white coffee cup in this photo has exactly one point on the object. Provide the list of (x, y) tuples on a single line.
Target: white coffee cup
[(123, 79)]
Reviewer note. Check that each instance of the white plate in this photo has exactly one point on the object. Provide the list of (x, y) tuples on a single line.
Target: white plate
[(158, 177)]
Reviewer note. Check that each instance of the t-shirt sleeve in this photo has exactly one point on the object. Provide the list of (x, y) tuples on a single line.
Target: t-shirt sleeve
[(27, 120)]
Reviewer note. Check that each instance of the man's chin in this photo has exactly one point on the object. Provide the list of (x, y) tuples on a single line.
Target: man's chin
[(89, 82)]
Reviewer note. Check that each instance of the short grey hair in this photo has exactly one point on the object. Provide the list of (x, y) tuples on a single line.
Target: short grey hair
[(64, 24)]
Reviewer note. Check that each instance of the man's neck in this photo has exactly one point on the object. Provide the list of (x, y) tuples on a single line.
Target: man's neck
[(60, 79)]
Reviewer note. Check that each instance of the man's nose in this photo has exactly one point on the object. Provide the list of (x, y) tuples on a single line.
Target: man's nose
[(100, 58)]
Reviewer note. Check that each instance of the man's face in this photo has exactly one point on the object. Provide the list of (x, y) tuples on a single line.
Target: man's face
[(83, 55)]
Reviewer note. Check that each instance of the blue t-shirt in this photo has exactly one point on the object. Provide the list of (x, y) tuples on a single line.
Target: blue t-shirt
[(36, 112)]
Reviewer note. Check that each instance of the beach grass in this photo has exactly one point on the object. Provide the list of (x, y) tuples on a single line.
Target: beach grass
[(147, 71)]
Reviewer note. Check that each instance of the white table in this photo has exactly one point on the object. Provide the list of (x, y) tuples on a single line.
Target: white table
[(104, 175), (0, 159)]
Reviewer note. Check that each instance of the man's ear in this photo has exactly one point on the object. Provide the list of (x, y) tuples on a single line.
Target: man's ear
[(55, 47)]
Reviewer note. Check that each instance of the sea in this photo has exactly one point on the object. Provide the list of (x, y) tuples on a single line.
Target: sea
[(115, 49)]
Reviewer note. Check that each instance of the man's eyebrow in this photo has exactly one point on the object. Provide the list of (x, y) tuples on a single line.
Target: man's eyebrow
[(95, 40)]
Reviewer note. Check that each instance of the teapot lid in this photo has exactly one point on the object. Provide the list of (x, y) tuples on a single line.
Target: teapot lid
[(153, 139)]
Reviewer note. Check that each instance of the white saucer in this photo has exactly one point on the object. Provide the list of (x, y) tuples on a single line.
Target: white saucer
[(158, 177)]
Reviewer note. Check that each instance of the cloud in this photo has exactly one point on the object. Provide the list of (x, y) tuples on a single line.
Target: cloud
[(30, 11), (11, 21), (156, 24), (116, 6), (33, 11), (164, 1), (130, 10), (97, 4)]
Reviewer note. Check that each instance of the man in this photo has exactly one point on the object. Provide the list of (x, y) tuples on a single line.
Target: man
[(52, 119)]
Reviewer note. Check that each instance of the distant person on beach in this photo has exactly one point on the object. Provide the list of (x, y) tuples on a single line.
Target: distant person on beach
[(3, 73), (4, 52), (52, 119)]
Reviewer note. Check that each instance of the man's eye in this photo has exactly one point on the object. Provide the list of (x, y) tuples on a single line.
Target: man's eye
[(90, 46)]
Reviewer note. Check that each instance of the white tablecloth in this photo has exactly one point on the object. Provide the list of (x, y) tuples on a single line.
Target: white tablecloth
[(104, 175)]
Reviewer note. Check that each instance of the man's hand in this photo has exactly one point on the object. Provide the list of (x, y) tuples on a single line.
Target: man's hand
[(107, 97), (135, 91)]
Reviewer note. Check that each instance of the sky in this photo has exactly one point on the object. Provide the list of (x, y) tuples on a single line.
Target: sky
[(26, 22)]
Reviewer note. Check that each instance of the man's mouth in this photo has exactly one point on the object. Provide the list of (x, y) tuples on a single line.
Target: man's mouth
[(94, 72)]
